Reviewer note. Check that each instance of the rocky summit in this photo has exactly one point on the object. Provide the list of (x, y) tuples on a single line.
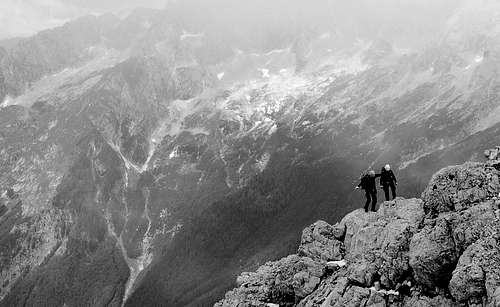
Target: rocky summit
[(440, 250)]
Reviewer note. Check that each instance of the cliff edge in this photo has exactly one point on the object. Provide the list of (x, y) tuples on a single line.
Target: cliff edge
[(441, 250)]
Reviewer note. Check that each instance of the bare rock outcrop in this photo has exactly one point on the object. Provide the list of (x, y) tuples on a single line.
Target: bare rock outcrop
[(378, 243), (433, 254), (457, 188), (441, 250), (319, 242), (284, 282), (462, 207), (477, 274)]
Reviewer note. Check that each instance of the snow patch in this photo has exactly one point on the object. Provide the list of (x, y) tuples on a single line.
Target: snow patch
[(478, 58), (186, 35), (273, 129), (263, 161), (340, 263), (174, 153), (265, 73), (385, 292), (7, 102), (270, 53), (220, 75)]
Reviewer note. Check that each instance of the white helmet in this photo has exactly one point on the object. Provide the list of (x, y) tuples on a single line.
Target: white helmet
[(387, 167)]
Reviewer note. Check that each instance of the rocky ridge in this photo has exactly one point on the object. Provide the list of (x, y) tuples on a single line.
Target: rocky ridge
[(441, 250)]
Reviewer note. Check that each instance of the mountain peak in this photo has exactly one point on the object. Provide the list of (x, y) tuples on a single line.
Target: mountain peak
[(436, 251)]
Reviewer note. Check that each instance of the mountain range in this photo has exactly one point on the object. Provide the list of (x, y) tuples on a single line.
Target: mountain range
[(149, 160)]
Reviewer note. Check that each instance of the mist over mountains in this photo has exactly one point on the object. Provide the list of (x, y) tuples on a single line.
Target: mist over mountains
[(148, 160)]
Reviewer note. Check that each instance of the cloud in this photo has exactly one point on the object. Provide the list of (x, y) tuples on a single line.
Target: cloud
[(387, 19), (406, 23), (26, 17)]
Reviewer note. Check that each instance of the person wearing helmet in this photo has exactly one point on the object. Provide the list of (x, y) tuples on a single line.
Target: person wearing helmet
[(388, 181), (369, 185)]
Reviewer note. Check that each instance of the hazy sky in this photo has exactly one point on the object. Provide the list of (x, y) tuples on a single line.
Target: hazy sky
[(375, 18), (26, 17)]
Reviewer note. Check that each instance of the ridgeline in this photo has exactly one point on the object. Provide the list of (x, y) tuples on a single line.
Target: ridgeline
[(441, 250)]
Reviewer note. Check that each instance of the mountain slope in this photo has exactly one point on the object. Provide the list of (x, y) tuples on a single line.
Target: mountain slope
[(146, 163)]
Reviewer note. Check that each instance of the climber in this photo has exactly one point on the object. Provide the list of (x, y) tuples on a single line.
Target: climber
[(368, 184), (388, 180)]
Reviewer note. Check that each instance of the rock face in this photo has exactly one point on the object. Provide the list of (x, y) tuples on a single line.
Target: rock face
[(442, 250), (320, 241), (284, 282)]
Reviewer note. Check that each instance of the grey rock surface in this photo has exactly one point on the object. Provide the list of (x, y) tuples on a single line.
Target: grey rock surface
[(439, 251), (319, 242)]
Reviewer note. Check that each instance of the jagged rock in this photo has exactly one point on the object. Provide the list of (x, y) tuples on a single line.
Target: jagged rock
[(354, 296), (492, 154), (376, 299), (477, 274), (457, 188), (284, 282), (398, 255), (339, 232), (458, 194), (424, 301), (377, 244), (366, 232), (472, 224), (329, 292), (362, 273), (319, 243), (433, 254)]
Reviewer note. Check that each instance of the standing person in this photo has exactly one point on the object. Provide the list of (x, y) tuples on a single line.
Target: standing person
[(388, 180), (368, 184)]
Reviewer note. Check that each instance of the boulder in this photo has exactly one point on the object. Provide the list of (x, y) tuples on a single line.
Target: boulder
[(362, 273), (377, 244), (472, 224), (433, 254), (284, 282), (328, 293), (353, 297), (477, 274), (320, 243), (376, 299), (457, 188), (367, 231)]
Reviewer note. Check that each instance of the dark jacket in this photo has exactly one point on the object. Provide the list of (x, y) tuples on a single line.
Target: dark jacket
[(387, 178), (368, 182)]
